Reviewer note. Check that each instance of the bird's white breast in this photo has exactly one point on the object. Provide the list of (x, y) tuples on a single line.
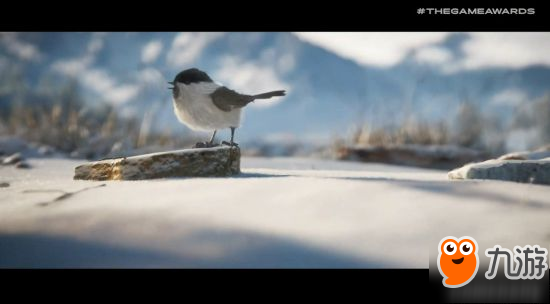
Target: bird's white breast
[(194, 107)]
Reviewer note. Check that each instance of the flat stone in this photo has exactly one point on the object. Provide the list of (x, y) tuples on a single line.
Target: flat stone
[(431, 156), (204, 162), (12, 159), (521, 171)]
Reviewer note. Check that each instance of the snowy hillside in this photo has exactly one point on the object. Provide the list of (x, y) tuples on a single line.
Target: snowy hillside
[(328, 92)]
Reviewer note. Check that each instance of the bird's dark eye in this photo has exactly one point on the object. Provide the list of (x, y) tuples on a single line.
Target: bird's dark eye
[(466, 248), (450, 247)]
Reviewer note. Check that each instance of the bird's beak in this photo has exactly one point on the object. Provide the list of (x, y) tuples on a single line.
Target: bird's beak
[(172, 83)]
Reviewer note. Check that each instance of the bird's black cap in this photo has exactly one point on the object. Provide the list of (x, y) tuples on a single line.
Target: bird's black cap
[(193, 75)]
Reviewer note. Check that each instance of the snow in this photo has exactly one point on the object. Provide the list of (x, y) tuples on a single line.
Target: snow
[(527, 155), (280, 212)]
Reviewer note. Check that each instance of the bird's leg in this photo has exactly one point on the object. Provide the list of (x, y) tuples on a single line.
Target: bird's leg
[(231, 143), (207, 144)]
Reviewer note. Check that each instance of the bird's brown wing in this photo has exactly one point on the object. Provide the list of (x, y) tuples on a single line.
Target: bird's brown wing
[(227, 100)]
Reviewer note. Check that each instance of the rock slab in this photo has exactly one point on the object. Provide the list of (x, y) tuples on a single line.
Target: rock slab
[(204, 162), (432, 156), (522, 171)]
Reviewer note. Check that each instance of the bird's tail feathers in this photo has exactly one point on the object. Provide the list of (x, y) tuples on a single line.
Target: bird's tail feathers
[(270, 94)]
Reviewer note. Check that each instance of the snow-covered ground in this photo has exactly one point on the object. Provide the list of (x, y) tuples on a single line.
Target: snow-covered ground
[(280, 212)]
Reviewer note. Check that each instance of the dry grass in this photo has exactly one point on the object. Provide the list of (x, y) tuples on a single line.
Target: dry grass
[(61, 119), (407, 133), (467, 128)]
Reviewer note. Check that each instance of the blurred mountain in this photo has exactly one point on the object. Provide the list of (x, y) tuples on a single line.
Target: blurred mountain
[(326, 93)]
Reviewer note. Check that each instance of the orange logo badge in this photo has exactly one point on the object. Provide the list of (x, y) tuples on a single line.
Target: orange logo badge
[(457, 260)]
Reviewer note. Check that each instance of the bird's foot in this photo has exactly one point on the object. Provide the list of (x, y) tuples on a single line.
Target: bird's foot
[(205, 144), (230, 144)]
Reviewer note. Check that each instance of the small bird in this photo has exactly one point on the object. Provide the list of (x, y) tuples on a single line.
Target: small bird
[(204, 105)]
